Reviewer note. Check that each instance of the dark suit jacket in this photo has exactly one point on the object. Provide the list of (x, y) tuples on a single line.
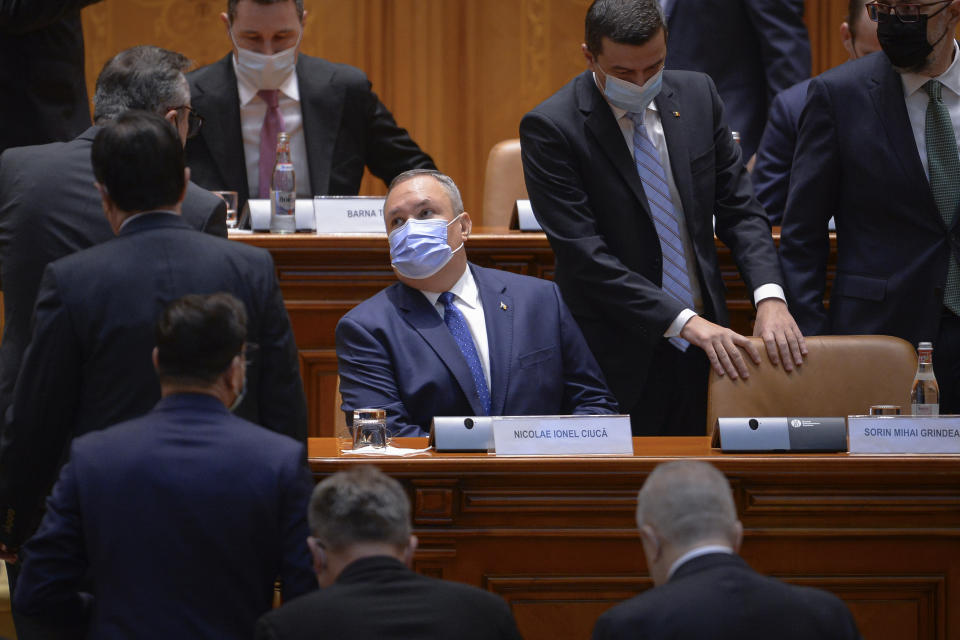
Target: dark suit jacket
[(857, 159), (345, 125), (718, 596), (42, 75), (49, 208), (379, 598), (753, 49), (177, 523), (588, 197), (89, 364), (396, 353), (771, 173)]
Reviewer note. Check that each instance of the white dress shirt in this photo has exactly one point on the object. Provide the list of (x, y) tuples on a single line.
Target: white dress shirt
[(466, 298), (253, 109), (696, 553), (651, 122), (917, 100)]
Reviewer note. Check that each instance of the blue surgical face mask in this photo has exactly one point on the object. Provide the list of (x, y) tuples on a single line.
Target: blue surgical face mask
[(628, 96), (419, 248)]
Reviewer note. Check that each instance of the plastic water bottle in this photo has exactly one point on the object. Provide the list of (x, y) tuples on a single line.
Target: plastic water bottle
[(283, 189), (925, 394)]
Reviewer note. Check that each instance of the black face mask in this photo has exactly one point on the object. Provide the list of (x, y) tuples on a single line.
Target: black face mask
[(905, 43)]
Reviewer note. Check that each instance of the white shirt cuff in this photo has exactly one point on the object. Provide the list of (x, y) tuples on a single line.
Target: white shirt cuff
[(765, 291), (678, 323)]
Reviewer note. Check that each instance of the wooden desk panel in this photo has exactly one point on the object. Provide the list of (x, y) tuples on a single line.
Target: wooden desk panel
[(556, 537), (323, 277)]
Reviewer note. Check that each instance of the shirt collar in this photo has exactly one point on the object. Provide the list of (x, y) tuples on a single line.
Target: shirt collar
[(696, 553), (618, 113), (143, 213), (913, 82), (290, 87), (465, 289)]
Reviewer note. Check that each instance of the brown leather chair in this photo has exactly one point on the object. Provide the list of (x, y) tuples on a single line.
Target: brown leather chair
[(842, 375), (503, 184)]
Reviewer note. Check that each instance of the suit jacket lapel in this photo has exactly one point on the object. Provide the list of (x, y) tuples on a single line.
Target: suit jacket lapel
[(603, 125), (428, 323), (321, 106), (498, 315), (218, 95), (886, 89), (675, 136)]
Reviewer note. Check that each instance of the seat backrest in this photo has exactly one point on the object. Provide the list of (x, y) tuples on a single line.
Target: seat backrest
[(841, 376), (503, 184)]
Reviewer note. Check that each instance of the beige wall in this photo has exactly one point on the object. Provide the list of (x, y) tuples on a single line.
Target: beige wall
[(459, 74)]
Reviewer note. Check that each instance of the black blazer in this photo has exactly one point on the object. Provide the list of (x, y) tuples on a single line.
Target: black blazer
[(718, 596), (49, 208), (89, 364), (588, 197), (379, 598), (857, 159), (345, 125), (42, 75), (753, 49)]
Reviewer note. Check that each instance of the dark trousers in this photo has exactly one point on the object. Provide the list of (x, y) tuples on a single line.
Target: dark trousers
[(946, 363), (674, 398)]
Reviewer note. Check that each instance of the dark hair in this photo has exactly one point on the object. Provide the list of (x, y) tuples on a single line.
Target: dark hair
[(362, 504), (198, 336), (146, 78), (853, 14), (138, 158), (623, 21), (232, 6)]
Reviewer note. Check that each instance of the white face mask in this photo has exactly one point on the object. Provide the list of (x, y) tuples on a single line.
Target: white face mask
[(629, 96), (266, 71)]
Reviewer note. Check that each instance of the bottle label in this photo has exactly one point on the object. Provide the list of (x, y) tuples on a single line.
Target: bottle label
[(285, 201), (925, 409)]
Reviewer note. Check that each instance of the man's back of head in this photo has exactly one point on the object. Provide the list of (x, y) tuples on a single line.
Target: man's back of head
[(145, 78)]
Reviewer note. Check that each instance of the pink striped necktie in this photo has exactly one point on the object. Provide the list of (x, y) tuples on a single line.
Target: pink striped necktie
[(272, 125)]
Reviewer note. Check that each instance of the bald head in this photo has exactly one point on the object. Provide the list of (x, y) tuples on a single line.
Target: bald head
[(688, 503)]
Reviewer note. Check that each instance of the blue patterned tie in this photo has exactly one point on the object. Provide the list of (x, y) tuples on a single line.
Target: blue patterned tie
[(676, 279), (461, 333), (943, 163)]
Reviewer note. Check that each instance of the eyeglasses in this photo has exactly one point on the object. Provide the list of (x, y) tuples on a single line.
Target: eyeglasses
[(194, 120), (879, 12)]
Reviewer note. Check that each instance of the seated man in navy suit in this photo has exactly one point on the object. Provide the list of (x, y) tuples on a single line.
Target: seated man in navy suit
[(691, 535), (452, 338), (175, 524), (771, 173)]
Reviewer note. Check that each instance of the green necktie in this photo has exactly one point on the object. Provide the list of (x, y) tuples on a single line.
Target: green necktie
[(944, 165)]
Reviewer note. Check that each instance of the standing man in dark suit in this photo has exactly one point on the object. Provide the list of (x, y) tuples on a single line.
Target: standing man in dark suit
[(177, 523), (88, 364), (703, 589), (753, 50), (626, 167), (878, 148), (337, 125), (771, 173), (49, 207), (362, 549), (42, 77), (452, 338)]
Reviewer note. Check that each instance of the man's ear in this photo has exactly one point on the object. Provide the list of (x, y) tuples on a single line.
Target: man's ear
[(319, 555), (409, 551), (651, 543), (466, 224), (846, 38), (155, 356)]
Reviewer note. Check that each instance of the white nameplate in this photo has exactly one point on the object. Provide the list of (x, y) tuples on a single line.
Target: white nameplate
[(349, 214), (904, 434), (260, 214), (526, 221), (562, 435)]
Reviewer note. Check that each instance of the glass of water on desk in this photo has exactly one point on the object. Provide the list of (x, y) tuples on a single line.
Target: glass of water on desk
[(370, 428), (230, 197)]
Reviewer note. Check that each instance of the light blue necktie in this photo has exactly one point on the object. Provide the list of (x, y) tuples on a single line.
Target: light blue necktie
[(457, 325), (676, 278), (943, 162)]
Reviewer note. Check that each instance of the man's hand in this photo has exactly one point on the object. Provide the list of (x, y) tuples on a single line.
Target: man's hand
[(722, 347), (780, 333)]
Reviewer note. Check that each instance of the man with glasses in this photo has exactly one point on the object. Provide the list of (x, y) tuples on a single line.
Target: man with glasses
[(878, 148), (88, 364), (175, 524)]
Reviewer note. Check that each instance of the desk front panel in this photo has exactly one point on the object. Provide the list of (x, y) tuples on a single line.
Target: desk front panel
[(556, 537), (323, 277)]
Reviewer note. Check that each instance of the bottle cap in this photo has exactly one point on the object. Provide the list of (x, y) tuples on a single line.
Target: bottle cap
[(925, 345)]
